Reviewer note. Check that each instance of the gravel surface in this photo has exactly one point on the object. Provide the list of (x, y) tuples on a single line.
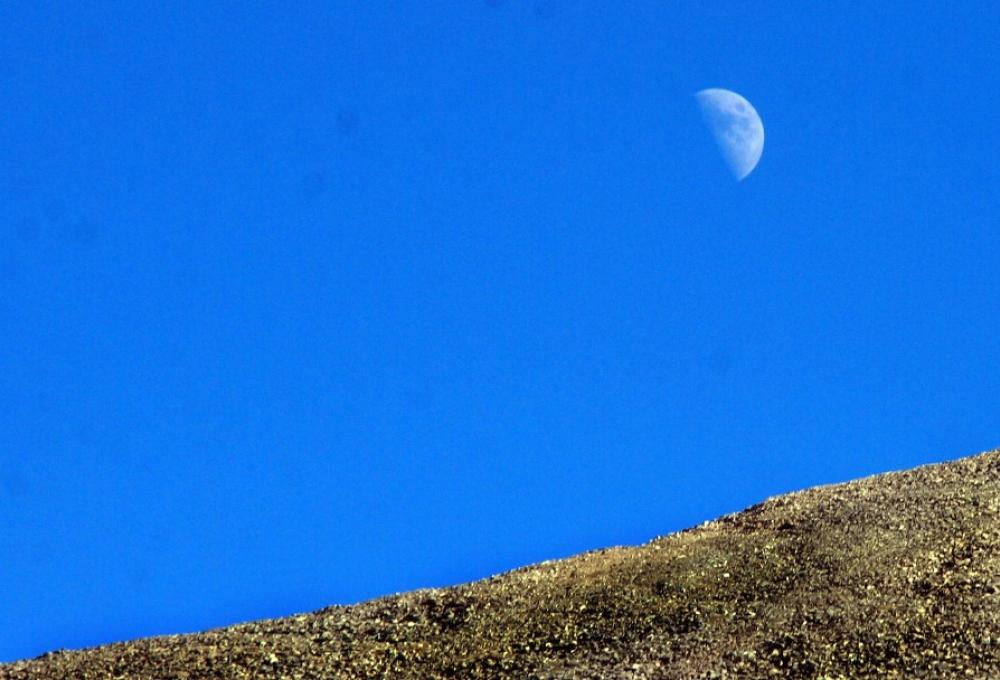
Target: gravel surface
[(891, 576)]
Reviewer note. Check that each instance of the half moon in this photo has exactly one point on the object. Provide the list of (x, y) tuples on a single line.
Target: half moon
[(737, 129)]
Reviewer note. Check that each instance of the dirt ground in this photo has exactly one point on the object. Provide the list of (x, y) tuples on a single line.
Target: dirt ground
[(891, 576)]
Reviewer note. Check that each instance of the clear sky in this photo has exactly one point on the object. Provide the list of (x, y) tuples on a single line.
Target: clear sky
[(306, 303)]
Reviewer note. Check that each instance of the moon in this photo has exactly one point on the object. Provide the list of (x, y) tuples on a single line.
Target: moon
[(737, 129)]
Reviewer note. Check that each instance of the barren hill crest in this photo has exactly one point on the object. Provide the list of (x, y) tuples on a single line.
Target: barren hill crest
[(896, 575)]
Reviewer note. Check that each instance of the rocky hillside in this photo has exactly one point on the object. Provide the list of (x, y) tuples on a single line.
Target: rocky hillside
[(892, 576)]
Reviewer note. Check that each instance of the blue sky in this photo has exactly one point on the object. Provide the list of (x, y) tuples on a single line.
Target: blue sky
[(303, 306)]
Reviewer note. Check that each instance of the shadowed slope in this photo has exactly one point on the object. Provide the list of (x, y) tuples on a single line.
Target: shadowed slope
[(896, 575)]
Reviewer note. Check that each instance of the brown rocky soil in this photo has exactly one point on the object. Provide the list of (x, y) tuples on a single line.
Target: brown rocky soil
[(892, 576)]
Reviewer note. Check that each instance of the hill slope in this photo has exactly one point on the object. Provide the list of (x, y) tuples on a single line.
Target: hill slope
[(896, 575)]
